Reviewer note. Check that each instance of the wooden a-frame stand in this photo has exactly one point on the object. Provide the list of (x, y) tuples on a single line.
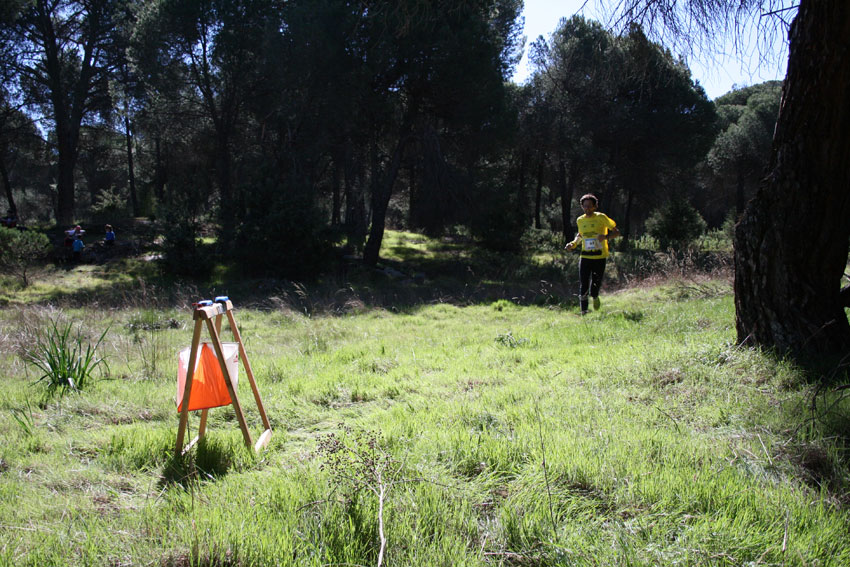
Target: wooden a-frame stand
[(212, 315)]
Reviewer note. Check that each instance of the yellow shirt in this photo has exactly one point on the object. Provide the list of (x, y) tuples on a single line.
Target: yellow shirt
[(589, 230)]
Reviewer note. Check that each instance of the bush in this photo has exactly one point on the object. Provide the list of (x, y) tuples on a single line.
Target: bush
[(20, 250), (497, 222), (110, 204), (283, 233), (675, 225), (542, 240), (184, 253)]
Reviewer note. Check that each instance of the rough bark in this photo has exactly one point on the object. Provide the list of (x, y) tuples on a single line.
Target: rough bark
[(791, 245), (7, 189)]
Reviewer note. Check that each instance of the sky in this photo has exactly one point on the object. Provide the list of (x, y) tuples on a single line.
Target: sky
[(716, 77)]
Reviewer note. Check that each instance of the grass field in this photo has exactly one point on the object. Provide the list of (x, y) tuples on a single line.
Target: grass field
[(472, 431)]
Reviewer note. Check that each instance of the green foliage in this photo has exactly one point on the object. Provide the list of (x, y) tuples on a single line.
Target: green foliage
[(110, 204), (65, 360), (510, 341), (542, 240), (741, 151), (21, 250), (676, 224)]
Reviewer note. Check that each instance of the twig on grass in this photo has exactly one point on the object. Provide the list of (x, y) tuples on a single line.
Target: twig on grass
[(769, 459), (785, 536), (309, 504), (506, 554), (671, 418)]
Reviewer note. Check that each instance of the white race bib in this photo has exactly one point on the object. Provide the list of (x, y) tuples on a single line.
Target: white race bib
[(592, 244)]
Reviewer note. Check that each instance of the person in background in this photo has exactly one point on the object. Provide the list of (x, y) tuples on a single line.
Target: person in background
[(78, 247), (109, 239), (594, 231), (10, 220)]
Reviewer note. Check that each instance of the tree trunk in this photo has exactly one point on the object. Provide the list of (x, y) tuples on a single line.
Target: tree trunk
[(417, 215), (538, 193), (68, 99), (522, 198), (381, 193), (565, 183), (223, 167), (625, 227), (740, 200), (65, 184), (336, 199), (7, 187), (355, 207), (131, 173), (159, 171), (791, 245)]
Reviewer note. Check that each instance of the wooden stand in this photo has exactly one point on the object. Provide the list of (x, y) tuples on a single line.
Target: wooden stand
[(212, 315)]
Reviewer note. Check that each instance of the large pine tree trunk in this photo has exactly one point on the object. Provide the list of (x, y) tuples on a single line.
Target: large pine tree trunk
[(65, 184), (7, 189), (791, 245)]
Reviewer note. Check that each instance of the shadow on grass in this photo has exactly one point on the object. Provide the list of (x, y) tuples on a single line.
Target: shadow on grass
[(208, 460), (414, 270), (457, 275)]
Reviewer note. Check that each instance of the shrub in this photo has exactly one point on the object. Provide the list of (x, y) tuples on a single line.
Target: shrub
[(675, 225), (64, 361), (283, 233), (497, 221), (20, 250), (184, 252), (110, 204), (729, 225), (542, 240)]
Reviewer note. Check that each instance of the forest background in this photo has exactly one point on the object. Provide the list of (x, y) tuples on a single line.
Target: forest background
[(285, 129)]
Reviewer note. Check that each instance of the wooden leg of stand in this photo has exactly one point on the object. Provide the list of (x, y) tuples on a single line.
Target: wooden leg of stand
[(187, 389), (229, 383), (250, 373), (202, 427)]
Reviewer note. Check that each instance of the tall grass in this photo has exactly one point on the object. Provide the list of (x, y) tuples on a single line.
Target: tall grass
[(508, 433)]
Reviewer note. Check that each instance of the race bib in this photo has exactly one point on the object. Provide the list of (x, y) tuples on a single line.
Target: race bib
[(592, 244)]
